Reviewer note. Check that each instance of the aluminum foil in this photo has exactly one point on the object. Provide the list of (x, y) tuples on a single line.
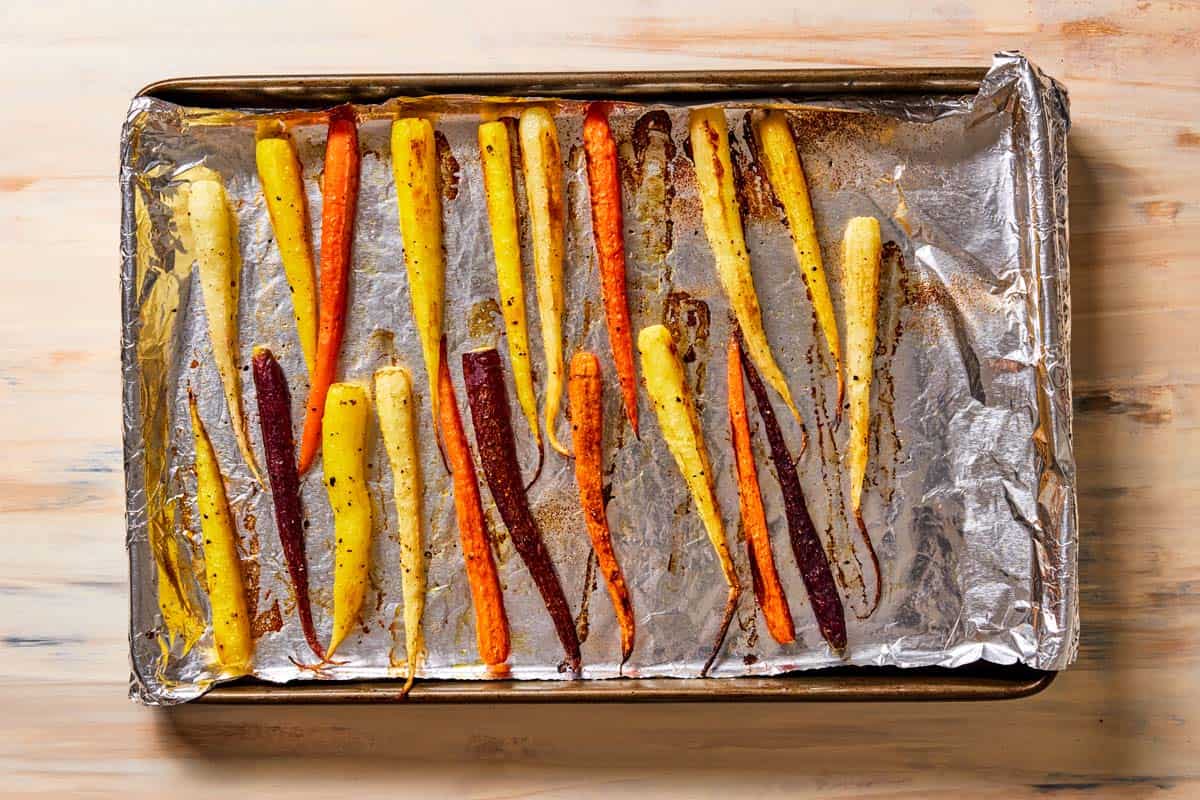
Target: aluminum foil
[(971, 491)]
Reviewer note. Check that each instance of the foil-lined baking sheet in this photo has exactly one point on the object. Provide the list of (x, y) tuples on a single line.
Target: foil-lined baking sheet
[(971, 488)]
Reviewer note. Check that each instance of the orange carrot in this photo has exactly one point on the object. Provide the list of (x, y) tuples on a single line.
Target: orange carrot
[(767, 588), (491, 624), (604, 183), (585, 394), (340, 197)]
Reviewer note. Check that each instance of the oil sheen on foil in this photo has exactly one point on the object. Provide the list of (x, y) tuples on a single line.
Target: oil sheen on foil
[(971, 487)]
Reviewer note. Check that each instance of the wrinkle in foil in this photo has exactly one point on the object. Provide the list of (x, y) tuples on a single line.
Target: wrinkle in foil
[(971, 492)]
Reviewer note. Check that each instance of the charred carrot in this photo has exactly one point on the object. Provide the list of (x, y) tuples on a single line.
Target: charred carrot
[(542, 167), (275, 421), (806, 545), (340, 199), (419, 202), (397, 423), (283, 187), (786, 175), (608, 229), (220, 276), (861, 254), (484, 377), (585, 393), (491, 624), (344, 431), (496, 160), (681, 430), (767, 588), (723, 227), (222, 567)]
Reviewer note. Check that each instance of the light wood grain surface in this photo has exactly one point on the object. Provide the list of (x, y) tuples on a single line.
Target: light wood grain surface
[(1122, 722)]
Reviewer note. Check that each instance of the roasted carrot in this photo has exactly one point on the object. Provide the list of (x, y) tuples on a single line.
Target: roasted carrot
[(496, 161), (542, 167), (861, 254), (283, 187), (786, 176), (419, 202), (222, 567), (767, 588), (684, 436), (344, 431), (483, 375), (220, 276), (491, 624), (397, 422), (723, 227), (340, 199), (806, 545), (608, 229), (275, 421), (585, 392)]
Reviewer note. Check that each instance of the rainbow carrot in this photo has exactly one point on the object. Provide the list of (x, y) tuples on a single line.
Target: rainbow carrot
[(585, 392), (340, 199), (608, 228)]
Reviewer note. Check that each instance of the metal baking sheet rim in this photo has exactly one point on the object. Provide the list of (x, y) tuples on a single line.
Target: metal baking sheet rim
[(978, 681)]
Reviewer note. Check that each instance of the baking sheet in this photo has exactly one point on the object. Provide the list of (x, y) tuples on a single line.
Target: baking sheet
[(971, 498)]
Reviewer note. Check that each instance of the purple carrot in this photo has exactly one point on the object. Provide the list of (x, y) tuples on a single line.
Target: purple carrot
[(806, 545), (275, 420), (483, 375)]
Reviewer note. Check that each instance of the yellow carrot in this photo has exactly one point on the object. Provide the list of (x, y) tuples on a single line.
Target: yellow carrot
[(397, 422), (222, 567), (283, 187), (344, 437), (680, 425), (861, 253), (496, 161), (723, 227), (415, 169), (542, 168), (786, 175), (220, 274)]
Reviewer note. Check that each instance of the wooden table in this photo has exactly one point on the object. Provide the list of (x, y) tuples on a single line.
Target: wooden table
[(1121, 722)]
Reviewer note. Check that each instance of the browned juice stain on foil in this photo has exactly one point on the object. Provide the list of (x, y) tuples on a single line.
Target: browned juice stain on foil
[(651, 180), (449, 170), (482, 318), (269, 621), (251, 568), (755, 196), (885, 437), (582, 620), (689, 320)]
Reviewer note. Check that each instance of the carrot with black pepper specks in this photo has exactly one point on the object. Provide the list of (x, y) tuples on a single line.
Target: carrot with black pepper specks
[(275, 421), (397, 423), (767, 588), (419, 205), (585, 392), (491, 624), (340, 199), (806, 545), (608, 229), (282, 180), (862, 253), (786, 176), (496, 161), (215, 236), (484, 377), (681, 430), (344, 431), (723, 227), (222, 567), (541, 163)]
